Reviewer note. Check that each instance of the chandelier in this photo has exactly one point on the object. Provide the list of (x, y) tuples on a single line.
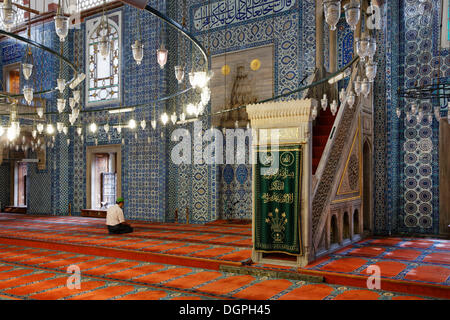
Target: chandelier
[(332, 11), (437, 93)]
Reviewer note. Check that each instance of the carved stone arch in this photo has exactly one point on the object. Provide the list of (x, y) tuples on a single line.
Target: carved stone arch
[(334, 229), (367, 185), (356, 221), (346, 234)]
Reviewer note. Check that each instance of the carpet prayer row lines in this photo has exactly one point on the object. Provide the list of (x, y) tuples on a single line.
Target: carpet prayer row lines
[(28, 273)]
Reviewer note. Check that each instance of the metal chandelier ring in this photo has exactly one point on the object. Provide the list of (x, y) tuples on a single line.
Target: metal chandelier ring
[(148, 8)]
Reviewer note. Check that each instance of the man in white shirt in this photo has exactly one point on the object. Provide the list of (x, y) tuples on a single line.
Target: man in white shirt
[(115, 221)]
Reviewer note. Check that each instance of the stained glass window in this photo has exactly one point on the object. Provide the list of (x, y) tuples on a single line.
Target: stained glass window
[(103, 73)]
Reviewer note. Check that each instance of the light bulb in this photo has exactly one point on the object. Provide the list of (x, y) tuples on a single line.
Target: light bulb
[(174, 118), (8, 14), (79, 131), (332, 10), (11, 133), (161, 56), (153, 123), (324, 102), (50, 129), (179, 73), (106, 127), (60, 84), (65, 130), (351, 100), (143, 124), (104, 47), (28, 94), (27, 70), (40, 127), (352, 14), (76, 95), (93, 127), (138, 51), (164, 118), (61, 104), (59, 126), (61, 27), (191, 109), (333, 107), (132, 124), (40, 112)]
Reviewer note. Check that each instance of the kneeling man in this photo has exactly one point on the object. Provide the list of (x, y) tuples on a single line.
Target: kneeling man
[(115, 220)]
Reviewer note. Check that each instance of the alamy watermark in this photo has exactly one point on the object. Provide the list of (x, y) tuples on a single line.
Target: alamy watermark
[(211, 147)]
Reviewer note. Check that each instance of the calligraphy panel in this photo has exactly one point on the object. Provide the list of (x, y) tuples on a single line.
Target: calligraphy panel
[(227, 12), (277, 200)]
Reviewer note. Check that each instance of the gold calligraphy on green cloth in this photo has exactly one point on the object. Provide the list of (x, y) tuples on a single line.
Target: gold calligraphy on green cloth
[(277, 199)]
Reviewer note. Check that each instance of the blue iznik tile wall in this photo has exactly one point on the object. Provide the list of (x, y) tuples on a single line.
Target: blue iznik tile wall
[(407, 180), (405, 152)]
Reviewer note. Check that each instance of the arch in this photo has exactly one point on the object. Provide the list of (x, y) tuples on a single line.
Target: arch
[(346, 226), (334, 230), (367, 186), (356, 228)]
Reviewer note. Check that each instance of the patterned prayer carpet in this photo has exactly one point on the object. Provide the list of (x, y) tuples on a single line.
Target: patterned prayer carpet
[(412, 266), (41, 274)]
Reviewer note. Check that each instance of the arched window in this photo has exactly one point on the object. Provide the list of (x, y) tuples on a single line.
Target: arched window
[(103, 74)]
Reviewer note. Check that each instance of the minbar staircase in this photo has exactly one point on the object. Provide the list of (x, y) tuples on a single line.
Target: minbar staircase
[(321, 131)]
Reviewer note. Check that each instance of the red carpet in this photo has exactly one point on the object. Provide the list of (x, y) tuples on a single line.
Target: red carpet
[(412, 266)]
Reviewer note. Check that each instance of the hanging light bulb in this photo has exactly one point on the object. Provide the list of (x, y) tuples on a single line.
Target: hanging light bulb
[(357, 85), (371, 48), (61, 104), (324, 102), (398, 112), (192, 79), (72, 103), (72, 119), (164, 118), (75, 113), (314, 113), (8, 14), (68, 141), (342, 96), (333, 107), (60, 84), (33, 133), (93, 127), (202, 79), (143, 124), (365, 87), (79, 131), (153, 123), (371, 71), (351, 100), (40, 127), (106, 128), (132, 124), (59, 127), (104, 47), (11, 134), (50, 129), (332, 10), (352, 13), (179, 73), (65, 130), (200, 109), (28, 94), (161, 56), (173, 118), (119, 129), (40, 112), (191, 109), (138, 51), (182, 117), (27, 69), (76, 96), (61, 25)]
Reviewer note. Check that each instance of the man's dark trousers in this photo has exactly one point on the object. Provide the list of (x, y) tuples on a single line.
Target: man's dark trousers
[(119, 229)]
